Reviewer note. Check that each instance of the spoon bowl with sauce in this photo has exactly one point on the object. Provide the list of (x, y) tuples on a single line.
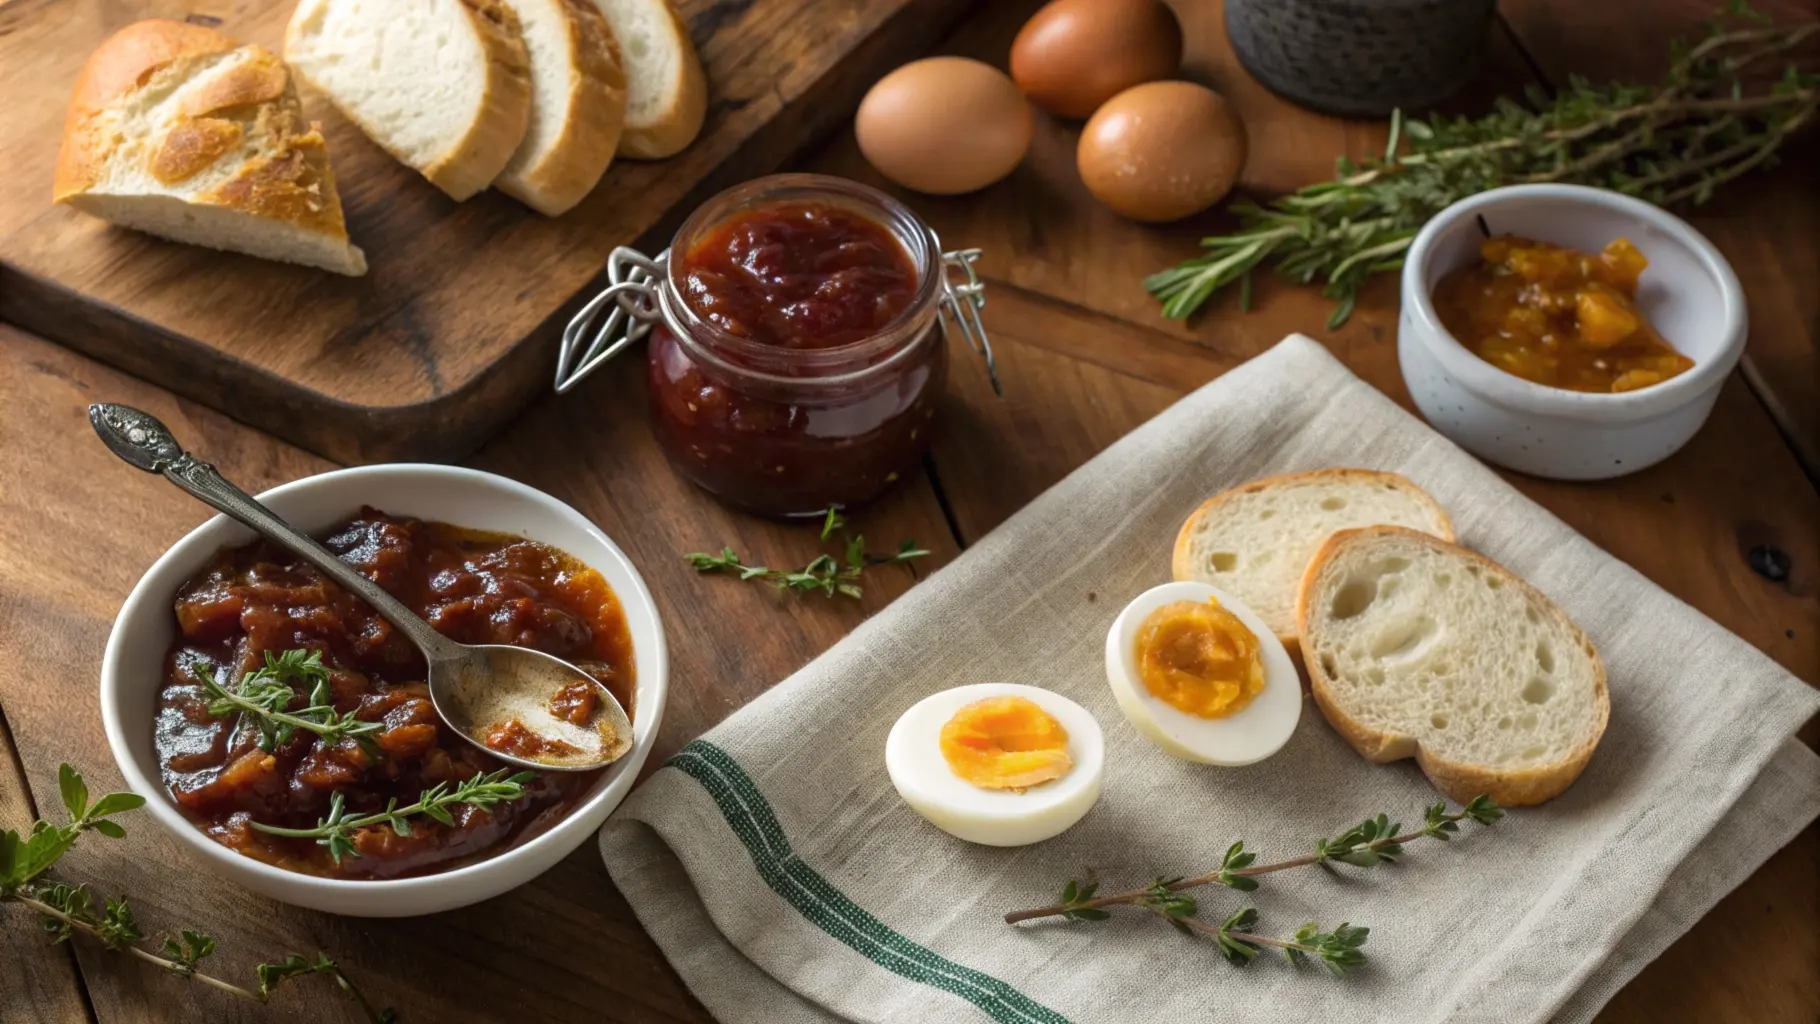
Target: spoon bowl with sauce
[(524, 707)]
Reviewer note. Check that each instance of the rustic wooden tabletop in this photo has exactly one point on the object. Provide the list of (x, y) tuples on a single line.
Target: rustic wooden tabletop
[(1086, 358)]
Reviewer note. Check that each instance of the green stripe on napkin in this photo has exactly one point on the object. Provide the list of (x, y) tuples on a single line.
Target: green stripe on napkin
[(749, 814)]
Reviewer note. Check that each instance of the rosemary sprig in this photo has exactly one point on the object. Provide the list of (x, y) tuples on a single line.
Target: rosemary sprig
[(267, 692), (1671, 142), (336, 830), (66, 910), (1370, 843), (823, 573)]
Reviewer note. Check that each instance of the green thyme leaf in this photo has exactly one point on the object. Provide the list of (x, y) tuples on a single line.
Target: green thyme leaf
[(824, 574)]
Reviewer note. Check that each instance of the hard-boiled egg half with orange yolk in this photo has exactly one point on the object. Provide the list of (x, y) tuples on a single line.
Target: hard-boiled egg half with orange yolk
[(1200, 675), (997, 763)]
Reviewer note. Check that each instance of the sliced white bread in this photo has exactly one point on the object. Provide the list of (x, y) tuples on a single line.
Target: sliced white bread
[(1255, 540), (1419, 648), (178, 131), (442, 85), (578, 105), (666, 91)]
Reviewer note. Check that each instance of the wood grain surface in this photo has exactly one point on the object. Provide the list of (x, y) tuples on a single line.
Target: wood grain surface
[(453, 329), (1085, 358)]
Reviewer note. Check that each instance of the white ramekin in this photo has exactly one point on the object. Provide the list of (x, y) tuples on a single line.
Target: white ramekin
[(132, 671), (1688, 292)]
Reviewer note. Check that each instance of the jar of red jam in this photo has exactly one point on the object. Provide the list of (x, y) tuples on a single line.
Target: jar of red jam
[(797, 344)]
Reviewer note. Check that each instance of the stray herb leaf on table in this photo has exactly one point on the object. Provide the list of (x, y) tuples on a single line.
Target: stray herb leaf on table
[(1675, 141), (64, 909), (823, 573)]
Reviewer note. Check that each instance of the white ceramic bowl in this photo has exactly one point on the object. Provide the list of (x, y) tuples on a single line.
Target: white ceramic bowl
[(1689, 293), (131, 673)]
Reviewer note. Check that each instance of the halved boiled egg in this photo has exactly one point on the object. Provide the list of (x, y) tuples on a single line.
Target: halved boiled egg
[(1200, 675), (997, 763)]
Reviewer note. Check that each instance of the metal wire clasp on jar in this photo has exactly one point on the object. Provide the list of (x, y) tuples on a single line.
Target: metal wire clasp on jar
[(769, 385)]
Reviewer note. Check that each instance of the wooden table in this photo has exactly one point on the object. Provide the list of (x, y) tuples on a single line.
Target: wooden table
[(1086, 358)]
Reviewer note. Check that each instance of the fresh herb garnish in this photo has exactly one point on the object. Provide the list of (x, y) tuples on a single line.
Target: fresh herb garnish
[(823, 573), (67, 909), (1370, 843), (336, 830), (268, 691), (1671, 142)]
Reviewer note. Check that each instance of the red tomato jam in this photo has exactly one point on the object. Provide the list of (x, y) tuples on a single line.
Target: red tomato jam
[(812, 362), (474, 587), (798, 275)]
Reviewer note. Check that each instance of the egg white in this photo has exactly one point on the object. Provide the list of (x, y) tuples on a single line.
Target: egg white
[(1246, 736), (993, 817)]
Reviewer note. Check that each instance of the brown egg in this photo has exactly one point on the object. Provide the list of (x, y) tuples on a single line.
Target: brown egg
[(1162, 150), (944, 125), (1074, 55)]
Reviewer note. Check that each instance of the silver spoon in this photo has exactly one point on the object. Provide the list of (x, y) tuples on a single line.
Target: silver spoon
[(472, 687)]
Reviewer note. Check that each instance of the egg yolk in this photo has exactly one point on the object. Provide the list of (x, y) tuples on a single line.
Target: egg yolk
[(1005, 743), (1199, 659)]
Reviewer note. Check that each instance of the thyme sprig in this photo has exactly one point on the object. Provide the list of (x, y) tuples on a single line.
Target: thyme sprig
[(66, 910), (1339, 950), (1675, 141), (267, 692), (823, 573), (336, 830), (1372, 842)]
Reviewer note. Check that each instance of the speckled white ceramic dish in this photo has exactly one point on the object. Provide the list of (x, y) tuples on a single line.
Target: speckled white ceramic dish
[(1688, 292), (133, 666)]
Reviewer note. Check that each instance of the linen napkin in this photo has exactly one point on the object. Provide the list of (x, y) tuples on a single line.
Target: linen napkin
[(786, 882)]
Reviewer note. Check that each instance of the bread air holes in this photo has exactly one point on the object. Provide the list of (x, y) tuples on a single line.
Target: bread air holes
[(1494, 583), (1224, 561), (1534, 617), (1545, 657), (1538, 690), (1438, 721), (1404, 640), (1333, 504), (1375, 676), (1353, 597), (1329, 667), (1266, 514)]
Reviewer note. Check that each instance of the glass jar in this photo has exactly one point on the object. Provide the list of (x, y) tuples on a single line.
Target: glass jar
[(788, 378)]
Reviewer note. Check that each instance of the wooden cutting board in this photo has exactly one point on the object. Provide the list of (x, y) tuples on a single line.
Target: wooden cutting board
[(454, 328)]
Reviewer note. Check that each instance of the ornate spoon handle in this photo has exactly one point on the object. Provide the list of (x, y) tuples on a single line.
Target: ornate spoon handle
[(139, 439)]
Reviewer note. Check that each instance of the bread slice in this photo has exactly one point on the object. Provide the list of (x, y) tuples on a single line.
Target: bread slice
[(1419, 648), (578, 105), (1254, 541), (178, 131), (667, 93), (442, 85)]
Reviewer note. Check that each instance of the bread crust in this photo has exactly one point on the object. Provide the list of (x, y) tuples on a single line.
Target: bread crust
[(499, 126), (681, 123), (505, 111), (291, 184), (595, 116), (1460, 781), (123, 62), (1181, 562)]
